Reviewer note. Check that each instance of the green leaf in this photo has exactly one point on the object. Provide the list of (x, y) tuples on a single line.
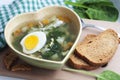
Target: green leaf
[(81, 12), (95, 9), (75, 4), (102, 14), (105, 75), (108, 75), (92, 1)]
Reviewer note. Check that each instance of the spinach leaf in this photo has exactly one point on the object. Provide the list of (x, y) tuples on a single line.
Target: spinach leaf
[(108, 75), (105, 75), (95, 9), (74, 4), (101, 14), (81, 12), (92, 1)]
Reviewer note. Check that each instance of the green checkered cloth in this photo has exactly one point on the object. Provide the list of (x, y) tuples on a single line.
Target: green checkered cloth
[(21, 6)]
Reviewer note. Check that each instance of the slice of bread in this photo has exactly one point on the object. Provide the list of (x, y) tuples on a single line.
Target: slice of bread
[(88, 38), (75, 62), (99, 50)]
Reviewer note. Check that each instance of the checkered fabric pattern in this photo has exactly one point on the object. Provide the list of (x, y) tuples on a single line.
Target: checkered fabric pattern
[(21, 6)]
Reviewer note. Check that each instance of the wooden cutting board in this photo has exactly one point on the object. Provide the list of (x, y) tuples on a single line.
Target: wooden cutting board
[(44, 74)]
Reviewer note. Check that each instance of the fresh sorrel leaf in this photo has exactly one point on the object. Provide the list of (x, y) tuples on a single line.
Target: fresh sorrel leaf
[(108, 75), (105, 75), (102, 14), (92, 1), (81, 12), (95, 9)]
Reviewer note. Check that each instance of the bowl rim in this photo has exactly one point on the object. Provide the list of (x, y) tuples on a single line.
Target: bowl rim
[(40, 59)]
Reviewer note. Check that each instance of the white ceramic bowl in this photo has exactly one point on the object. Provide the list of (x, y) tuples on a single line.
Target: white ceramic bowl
[(39, 15)]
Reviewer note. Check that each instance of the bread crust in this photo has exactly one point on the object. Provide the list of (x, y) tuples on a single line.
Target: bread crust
[(99, 50), (77, 63)]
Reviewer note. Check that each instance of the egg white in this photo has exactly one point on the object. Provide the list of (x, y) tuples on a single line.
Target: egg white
[(42, 40)]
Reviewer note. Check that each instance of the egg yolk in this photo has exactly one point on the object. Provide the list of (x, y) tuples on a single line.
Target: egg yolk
[(31, 42)]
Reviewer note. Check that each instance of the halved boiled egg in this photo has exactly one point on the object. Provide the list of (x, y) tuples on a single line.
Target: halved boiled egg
[(33, 42)]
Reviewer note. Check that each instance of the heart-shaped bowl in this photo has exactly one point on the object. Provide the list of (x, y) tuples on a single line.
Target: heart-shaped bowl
[(14, 23)]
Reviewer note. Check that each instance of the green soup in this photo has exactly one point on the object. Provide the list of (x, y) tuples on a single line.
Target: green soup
[(59, 37)]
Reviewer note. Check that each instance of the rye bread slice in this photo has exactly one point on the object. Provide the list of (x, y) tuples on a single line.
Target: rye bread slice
[(76, 62), (88, 38), (99, 50)]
